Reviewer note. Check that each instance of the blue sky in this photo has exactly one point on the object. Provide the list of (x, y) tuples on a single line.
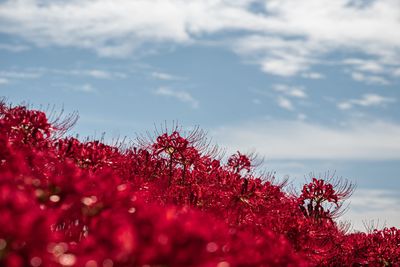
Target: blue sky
[(311, 85)]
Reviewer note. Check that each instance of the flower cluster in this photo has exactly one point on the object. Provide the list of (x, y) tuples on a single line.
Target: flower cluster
[(172, 202)]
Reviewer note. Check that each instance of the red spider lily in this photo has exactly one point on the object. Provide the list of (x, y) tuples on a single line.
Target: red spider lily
[(239, 162), (171, 202)]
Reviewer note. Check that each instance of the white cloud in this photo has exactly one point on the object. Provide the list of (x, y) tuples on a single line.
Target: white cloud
[(111, 28), (370, 79), (313, 75), (367, 100), (370, 71), (291, 91), (286, 93), (164, 76), (301, 116), (277, 55), (34, 73), (367, 205), (310, 29), (362, 139), (285, 103), (99, 74), (344, 105), (94, 73), (84, 88), (4, 81), (396, 72), (87, 88), (182, 96), (283, 66), (285, 37), (365, 65), (285, 96), (13, 47), (20, 74), (8, 76)]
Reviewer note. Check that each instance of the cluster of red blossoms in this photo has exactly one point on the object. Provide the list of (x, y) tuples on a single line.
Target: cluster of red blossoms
[(167, 202)]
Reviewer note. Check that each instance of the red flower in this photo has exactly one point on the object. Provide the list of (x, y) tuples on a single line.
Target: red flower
[(171, 202)]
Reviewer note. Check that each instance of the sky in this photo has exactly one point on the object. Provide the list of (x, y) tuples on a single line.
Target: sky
[(311, 86)]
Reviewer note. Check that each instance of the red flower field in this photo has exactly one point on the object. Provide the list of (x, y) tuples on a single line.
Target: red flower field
[(164, 201)]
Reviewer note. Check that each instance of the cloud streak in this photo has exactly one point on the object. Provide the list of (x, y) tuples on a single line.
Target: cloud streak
[(291, 91), (367, 100), (165, 76), (180, 95), (4, 81), (93, 73), (372, 140), (369, 79), (13, 47)]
